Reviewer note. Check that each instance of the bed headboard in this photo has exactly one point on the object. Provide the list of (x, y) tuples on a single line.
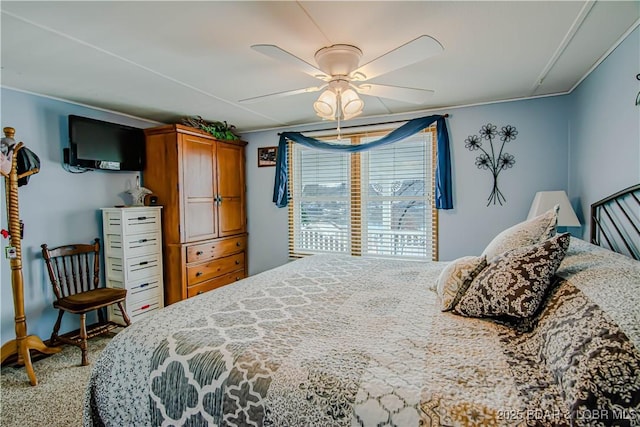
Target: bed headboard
[(615, 222)]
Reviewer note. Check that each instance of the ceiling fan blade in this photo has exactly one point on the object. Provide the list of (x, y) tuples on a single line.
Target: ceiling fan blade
[(404, 94), (409, 53), (281, 94), (281, 55)]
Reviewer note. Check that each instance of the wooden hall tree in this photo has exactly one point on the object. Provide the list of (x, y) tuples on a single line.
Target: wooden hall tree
[(23, 343)]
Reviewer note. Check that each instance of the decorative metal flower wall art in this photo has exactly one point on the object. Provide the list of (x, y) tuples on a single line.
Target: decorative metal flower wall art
[(488, 159)]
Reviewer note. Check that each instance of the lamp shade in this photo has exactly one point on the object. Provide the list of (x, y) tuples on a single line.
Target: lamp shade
[(545, 200)]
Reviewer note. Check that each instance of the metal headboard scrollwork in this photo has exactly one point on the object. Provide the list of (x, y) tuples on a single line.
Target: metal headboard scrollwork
[(615, 222)]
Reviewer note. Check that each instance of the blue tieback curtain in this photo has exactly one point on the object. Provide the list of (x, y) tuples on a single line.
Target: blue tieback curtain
[(444, 197)]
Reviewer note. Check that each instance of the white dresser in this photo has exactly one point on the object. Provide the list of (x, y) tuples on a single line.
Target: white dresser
[(132, 241)]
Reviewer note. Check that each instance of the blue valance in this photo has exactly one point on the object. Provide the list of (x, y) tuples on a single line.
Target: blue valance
[(444, 197)]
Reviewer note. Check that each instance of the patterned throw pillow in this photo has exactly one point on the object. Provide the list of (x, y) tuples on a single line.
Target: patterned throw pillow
[(456, 277), (515, 282), (525, 233)]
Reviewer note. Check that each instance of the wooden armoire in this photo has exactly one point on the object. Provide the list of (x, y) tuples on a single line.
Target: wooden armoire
[(200, 182)]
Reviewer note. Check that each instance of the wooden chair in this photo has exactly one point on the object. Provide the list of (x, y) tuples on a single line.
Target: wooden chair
[(74, 271)]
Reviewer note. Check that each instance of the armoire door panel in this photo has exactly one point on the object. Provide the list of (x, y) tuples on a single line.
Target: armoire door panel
[(199, 171), (230, 170), (200, 220), (232, 216), (199, 168), (231, 190)]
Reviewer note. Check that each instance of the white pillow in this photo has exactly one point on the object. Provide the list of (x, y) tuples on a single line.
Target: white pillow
[(526, 233)]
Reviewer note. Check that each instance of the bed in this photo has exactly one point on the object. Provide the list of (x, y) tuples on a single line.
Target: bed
[(332, 340)]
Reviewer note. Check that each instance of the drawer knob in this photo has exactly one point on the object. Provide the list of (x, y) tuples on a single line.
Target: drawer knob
[(144, 285), (199, 253), (199, 273), (144, 307), (237, 262), (142, 240), (238, 244), (200, 292), (144, 263), (238, 278), (142, 218), (213, 247)]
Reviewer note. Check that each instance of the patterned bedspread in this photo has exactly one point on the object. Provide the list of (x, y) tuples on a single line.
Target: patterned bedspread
[(333, 341)]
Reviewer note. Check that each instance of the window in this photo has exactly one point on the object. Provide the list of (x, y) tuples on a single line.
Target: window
[(374, 203)]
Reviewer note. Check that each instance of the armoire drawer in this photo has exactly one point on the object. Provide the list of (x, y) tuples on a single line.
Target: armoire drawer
[(207, 270), (214, 283), (216, 249)]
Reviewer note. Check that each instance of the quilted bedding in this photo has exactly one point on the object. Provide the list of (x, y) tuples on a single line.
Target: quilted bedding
[(332, 340)]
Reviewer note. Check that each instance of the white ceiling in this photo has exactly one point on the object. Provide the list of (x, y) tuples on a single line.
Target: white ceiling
[(164, 60)]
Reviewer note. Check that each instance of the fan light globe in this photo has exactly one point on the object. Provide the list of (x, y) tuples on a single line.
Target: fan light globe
[(325, 105), (352, 105)]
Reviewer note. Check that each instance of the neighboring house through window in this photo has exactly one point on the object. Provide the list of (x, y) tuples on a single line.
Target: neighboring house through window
[(378, 202)]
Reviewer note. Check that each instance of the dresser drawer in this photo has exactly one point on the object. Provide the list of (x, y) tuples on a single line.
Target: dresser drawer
[(141, 221), (215, 283), (140, 289), (131, 220), (201, 272), (145, 288), (134, 245), (137, 268), (143, 267), (137, 310), (216, 249)]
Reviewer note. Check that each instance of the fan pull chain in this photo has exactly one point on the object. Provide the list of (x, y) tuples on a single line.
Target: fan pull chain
[(339, 113)]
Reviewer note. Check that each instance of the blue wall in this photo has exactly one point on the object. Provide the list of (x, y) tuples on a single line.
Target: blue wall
[(604, 123), (57, 207)]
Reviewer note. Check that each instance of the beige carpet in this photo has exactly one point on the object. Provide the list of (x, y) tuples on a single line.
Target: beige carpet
[(58, 398)]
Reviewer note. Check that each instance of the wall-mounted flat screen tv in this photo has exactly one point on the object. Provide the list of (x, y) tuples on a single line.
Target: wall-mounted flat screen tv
[(95, 144)]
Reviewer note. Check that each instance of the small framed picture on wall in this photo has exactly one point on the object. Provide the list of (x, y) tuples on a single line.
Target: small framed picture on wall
[(267, 156)]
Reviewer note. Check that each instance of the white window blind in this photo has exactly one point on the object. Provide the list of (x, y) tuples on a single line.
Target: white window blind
[(396, 187), (374, 203), (320, 185)]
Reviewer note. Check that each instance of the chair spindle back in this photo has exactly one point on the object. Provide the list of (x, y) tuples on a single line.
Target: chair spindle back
[(73, 268)]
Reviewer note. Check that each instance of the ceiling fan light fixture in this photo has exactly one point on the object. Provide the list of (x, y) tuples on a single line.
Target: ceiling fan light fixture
[(338, 104)]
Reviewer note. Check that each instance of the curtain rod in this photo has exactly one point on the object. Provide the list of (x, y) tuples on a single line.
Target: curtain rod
[(359, 126)]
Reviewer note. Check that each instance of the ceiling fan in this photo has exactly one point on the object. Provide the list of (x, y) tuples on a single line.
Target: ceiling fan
[(338, 66)]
